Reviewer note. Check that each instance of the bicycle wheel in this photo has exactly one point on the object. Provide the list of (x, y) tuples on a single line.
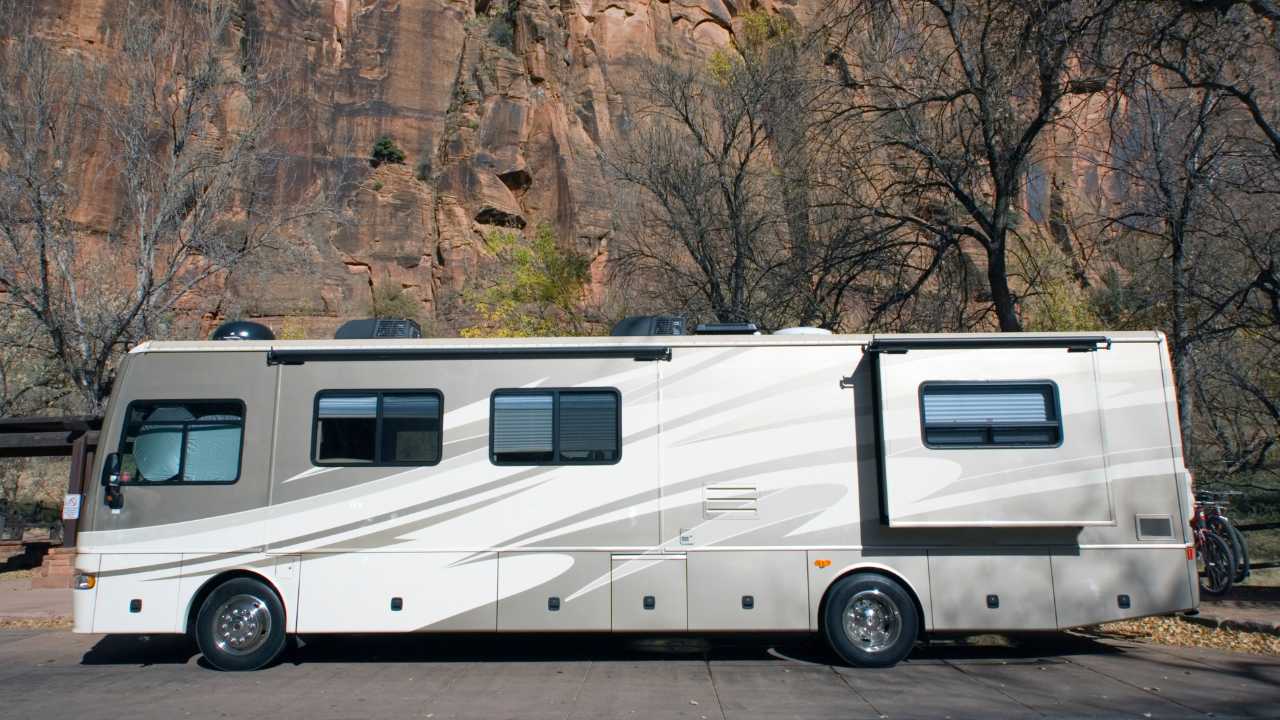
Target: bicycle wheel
[(1241, 553), (1217, 567), (1223, 528)]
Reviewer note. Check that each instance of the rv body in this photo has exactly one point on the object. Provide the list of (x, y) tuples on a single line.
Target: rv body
[(656, 484)]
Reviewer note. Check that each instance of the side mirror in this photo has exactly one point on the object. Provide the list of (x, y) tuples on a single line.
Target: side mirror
[(111, 470), (113, 495)]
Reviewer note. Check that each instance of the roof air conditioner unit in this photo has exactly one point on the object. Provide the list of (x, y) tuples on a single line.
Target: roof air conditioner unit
[(371, 328), (738, 328), (641, 325)]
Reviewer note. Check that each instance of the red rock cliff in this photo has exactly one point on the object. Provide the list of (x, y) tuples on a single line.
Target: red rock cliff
[(503, 111)]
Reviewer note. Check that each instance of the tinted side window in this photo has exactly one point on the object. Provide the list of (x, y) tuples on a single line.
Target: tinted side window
[(195, 441), (982, 414), (377, 428), (410, 428), (563, 427), (588, 426)]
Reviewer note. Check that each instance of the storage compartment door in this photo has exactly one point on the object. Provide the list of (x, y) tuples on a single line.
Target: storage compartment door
[(992, 437), (748, 590), (1093, 586), (991, 590), (398, 592), (564, 591), (649, 592)]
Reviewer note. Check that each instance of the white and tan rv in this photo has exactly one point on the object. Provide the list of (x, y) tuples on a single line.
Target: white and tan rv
[(872, 488)]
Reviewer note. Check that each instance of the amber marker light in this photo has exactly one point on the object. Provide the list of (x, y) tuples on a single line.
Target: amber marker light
[(85, 582), (822, 563)]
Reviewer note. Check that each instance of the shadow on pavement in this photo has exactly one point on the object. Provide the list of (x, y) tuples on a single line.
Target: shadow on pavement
[(141, 650), (441, 648)]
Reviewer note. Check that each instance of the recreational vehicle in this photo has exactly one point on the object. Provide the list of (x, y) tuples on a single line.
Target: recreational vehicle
[(871, 488)]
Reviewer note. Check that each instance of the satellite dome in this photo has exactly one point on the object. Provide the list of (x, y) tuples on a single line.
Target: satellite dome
[(242, 330)]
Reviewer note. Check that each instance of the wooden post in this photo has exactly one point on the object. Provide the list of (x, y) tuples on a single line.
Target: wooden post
[(81, 463)]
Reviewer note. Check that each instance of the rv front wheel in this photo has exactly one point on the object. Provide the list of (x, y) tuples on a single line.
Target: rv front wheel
[(241, 625), (870, 620)]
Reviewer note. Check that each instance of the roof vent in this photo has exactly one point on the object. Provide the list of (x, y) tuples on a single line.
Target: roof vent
[(803, 331), (650, 325), (372, 328), (739, 328), (242, 330)]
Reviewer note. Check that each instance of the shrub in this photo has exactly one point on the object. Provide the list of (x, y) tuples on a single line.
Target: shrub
[(537, 289), (390, 302), (385, 150)]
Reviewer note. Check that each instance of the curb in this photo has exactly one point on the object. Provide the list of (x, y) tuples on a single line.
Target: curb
[(1252, 626)]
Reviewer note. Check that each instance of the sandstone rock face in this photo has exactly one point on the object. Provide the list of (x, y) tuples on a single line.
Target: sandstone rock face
[(503, 110)]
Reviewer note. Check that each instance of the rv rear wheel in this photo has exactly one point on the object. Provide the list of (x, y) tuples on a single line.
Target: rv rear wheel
[(870, 620), (241, 625)]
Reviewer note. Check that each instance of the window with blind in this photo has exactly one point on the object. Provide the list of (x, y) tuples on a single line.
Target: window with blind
[(189, 441), (555, 427), (372, 428), (990, 414)]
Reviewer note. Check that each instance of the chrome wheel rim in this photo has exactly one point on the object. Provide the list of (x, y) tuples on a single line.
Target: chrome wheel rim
[(872, 621), (241, 625)]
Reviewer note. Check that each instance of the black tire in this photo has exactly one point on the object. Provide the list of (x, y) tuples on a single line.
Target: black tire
[(885, 622), (1241, 552), (241, 625), (1219, 565), (1221, 527)]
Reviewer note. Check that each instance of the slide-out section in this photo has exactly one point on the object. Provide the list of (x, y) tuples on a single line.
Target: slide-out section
[(993, 437)]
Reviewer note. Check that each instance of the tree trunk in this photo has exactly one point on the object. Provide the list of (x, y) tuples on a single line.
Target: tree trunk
[(1179, 346), (1001, 297)]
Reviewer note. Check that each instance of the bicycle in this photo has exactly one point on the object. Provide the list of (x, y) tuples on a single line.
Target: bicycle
[(1215, 563), (1220, 524)]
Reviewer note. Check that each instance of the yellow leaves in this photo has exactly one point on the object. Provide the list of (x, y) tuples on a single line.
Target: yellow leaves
[(538, 289), (720, 66), (759, 33)]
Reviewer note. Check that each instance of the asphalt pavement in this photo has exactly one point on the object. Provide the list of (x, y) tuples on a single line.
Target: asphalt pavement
[(55, 674)]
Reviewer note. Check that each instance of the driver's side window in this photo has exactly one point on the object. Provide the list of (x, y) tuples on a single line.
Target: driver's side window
[(189, 441)]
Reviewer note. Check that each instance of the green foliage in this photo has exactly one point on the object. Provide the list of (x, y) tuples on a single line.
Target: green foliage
[(539, 289), (502, 32), (1059, 304), (377, 185), (390, 301), (385, 150), (1057, 301), (761, 34)]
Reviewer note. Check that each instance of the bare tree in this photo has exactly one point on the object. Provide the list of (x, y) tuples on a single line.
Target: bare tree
[(954, 97), (743, 210), (1199, 236), (699, 154), (173, 134)]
